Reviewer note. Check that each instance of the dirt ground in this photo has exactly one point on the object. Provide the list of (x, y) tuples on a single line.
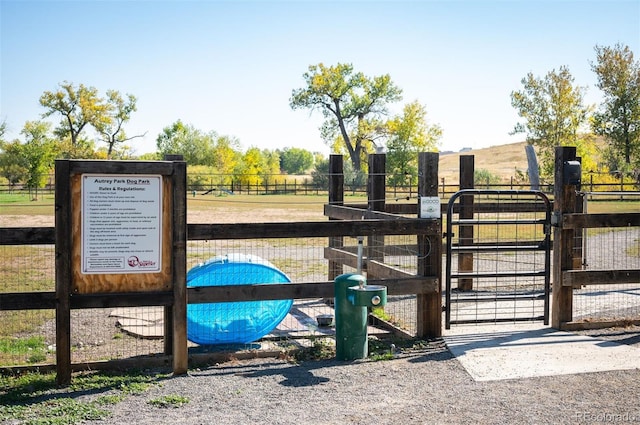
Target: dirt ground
[(422, 386)]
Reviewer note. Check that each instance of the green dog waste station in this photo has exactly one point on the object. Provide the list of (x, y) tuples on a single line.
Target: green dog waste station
[(352, 298)]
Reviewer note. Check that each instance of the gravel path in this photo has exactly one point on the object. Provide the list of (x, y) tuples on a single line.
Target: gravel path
[(416, 387)]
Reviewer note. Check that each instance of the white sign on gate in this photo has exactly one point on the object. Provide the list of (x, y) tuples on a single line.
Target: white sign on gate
[(121, 223)]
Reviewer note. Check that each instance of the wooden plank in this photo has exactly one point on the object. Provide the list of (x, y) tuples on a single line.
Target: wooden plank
[(407, 226), (600, 324), (340, 212), (577, 278), (402, 208), (379, 270), (419, 285), (388, 326), (589, 221), (343, 257), (299, 291), (121, 167), (27, 301), (259, 292), (311, 229), (389, 250), (27, 235), (127, 299)]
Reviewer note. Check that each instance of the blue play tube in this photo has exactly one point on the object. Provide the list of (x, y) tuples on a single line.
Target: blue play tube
[(234, 322)]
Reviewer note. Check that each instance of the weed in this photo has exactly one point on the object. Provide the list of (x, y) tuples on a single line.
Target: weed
[(34, 398), (381, 357), (110, 399), (53, 412), (381, 314), (171, 400), (32, 348), (321, 349)]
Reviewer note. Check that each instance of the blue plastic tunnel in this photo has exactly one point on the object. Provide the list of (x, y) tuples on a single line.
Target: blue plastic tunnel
[(234, 322)]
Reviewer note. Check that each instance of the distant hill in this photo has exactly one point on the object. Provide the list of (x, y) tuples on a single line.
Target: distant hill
[(502, 161)]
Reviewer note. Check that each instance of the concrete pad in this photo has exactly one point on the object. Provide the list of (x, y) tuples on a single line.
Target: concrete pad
[(495, 352)]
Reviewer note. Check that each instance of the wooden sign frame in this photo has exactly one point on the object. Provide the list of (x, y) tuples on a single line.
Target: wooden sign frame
[(124, 287), (121, 281)]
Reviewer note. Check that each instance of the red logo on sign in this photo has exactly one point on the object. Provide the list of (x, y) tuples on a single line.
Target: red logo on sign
[(136, 262)]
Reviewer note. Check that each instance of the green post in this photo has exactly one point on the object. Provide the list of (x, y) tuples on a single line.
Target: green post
[(351, 320)]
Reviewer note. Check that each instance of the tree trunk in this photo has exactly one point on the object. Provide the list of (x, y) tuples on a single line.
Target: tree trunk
[(532, 167)]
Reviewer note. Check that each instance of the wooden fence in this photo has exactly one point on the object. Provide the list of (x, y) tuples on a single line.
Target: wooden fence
[(372, 220)]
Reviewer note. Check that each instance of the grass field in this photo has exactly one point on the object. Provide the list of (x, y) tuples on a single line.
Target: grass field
[(241, 208)]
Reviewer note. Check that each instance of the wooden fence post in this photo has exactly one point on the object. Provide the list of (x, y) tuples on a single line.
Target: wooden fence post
[(179, 256), (465, 233), (336, 197), (63, 272), (564, 201), (376, 193), (429, 306)]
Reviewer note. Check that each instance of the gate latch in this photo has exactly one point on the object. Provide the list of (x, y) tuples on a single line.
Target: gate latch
[(556, 219)]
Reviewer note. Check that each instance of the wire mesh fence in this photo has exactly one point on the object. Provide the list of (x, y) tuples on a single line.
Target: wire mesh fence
[(608, 249), (23, 334), (100, 334)]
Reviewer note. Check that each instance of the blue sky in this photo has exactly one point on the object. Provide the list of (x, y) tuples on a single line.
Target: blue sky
[(230, 67)]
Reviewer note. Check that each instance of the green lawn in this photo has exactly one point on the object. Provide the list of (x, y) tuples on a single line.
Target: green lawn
[(23, 204), (299, 205)]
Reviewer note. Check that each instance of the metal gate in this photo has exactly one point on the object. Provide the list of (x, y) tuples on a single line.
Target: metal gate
[(498, 257)]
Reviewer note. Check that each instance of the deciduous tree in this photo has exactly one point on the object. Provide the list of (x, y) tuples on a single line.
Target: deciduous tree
[(618, 117), (79, 106), (226, 157), (119, 111), (250, 169), (39, 151), (409, 134), (295, 160), (13, 165), (352, 104), (196, 146), (554, 115), (320, 173)]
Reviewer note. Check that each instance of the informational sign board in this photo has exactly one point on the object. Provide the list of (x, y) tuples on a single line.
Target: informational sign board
[(121, 227), (121, 235), (121, 224)]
